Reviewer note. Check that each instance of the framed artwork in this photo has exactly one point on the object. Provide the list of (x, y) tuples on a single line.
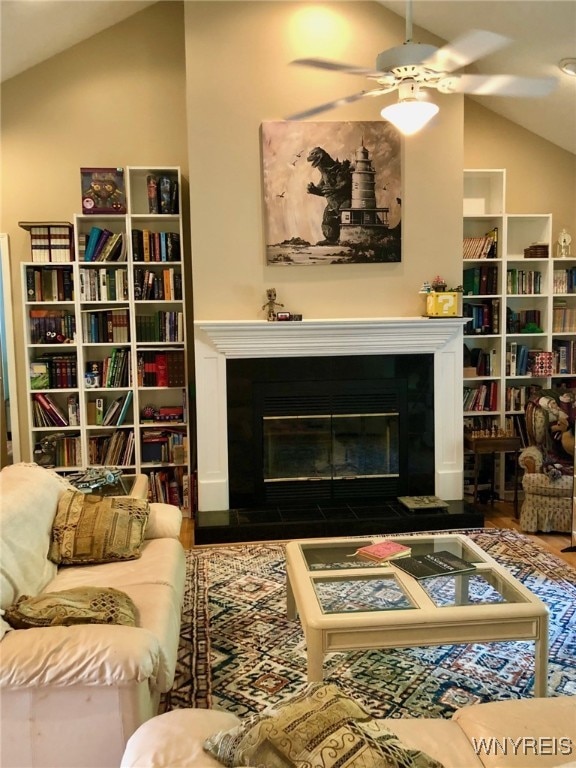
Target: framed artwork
[(332, 192)]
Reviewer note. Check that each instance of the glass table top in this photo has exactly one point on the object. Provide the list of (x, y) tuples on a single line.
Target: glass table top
[(340, 587)]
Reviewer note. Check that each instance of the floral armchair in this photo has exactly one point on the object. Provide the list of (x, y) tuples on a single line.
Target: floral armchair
[(548, 462)]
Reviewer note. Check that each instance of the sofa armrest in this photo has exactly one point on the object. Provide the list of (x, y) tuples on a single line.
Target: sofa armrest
[(164, 522), (86, 654)]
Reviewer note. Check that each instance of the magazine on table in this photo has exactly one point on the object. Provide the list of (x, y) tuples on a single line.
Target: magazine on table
[(382, 551), (441, 563)]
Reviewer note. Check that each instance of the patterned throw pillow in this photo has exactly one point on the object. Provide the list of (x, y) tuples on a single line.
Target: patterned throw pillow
[(80, 605), (97, 529), (319, 726)]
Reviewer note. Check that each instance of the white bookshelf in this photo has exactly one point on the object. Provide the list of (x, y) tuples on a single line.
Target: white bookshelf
[(519, 285), (115, 320)]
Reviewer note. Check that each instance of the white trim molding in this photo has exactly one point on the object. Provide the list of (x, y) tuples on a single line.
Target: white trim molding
[(217, 340)]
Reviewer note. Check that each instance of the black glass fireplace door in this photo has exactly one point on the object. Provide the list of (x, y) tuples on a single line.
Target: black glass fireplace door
[(330, 447)]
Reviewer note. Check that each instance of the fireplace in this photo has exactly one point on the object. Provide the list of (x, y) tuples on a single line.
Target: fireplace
[(220, 346), (329, 430)]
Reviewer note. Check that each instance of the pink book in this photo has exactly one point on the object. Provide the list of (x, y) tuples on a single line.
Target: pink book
[(384, 550)]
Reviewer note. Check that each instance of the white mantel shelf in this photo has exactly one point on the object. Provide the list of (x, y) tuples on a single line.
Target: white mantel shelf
[(356, 336), (218, 340)]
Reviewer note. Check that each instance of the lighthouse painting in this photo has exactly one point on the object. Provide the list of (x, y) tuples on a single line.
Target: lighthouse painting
[(332, 193)]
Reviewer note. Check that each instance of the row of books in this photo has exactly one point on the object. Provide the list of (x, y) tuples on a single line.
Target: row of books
[(166, 486), (49, 284), (564, 280), (482, 398), (101, 244), (67, 451), (159, 368), (56, 371), (564, 356), (47, 413), (112, 450), (484, 317), (105, 326), (522, 281), (480, 281), (163, 326), (516, 397), (50, 241), (166, 445), (51, 326), (113, 371), (485, 247), (164, 285), (155, 246), (103, 284), (480, 362), (162, 194), (516, 322), (113, 414), (563, 318)]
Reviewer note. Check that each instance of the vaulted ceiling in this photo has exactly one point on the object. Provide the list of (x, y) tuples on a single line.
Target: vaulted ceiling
[(541, 31)]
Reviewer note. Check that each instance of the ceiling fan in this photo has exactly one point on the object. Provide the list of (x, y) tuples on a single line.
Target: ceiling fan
[(411, 67)]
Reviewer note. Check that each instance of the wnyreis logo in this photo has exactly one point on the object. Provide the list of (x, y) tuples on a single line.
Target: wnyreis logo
[(525, 746)]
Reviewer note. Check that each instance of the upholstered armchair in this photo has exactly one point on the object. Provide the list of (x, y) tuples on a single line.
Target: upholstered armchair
[(548, 462)]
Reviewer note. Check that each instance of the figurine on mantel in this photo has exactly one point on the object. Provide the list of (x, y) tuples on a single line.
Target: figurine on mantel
[(271, 304)]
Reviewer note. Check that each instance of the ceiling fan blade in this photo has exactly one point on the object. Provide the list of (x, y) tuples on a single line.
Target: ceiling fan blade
[(335, 66), (498, 85), (338, 103), (468, 47)]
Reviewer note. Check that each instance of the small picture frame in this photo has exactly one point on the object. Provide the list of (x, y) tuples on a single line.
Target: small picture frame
[(103, 191)]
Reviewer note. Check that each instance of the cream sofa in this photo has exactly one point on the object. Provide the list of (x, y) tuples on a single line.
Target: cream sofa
[(73, 695), (534, 733)]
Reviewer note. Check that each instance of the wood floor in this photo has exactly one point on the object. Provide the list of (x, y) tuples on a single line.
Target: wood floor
[(499, 515)]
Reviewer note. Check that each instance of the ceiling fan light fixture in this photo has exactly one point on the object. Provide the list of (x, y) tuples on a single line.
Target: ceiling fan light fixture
[(410, 115), (568, 66)]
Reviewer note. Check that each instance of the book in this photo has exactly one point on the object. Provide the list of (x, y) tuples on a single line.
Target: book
[(39, 375), (124, 409), (441, 563), (382, 551), (415, 503)]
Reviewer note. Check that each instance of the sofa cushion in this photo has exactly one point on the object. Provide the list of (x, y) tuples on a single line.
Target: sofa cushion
[(544, 731), (175, 739), (97, 529), (318, 726), (165, 521), (82, 605), (29, 496)]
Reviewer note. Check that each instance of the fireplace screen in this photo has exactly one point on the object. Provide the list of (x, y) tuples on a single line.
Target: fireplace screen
[(330, 447)]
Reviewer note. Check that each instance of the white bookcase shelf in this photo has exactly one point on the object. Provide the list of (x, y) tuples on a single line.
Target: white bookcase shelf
[(124, 340), (512, 290)]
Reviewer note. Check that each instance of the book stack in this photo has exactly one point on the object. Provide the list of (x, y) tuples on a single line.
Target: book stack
[(50, 241)]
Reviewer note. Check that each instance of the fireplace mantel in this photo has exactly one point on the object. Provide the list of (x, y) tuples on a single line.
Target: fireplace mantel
[(217, 340)]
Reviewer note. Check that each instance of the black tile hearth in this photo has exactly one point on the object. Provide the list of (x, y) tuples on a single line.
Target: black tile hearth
[(276, 523)]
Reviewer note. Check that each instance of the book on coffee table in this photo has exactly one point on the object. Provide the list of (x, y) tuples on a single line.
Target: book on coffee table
[(382, 551), (416, 503), (441, 563)]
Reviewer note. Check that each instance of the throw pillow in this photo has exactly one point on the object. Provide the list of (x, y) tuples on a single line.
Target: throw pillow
[(319, 726), (80, 605), (97, 529)]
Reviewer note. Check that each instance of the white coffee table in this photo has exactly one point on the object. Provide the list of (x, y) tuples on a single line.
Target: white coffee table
[(349, 604)]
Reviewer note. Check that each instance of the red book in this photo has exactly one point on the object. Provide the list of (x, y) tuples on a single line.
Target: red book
[(161, 369), (383, 550)]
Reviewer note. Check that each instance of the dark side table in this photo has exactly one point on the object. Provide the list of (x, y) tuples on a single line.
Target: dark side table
[(493, 445)]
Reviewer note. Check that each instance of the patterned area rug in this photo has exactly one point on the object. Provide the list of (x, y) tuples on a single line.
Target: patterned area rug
[(240, 653)]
